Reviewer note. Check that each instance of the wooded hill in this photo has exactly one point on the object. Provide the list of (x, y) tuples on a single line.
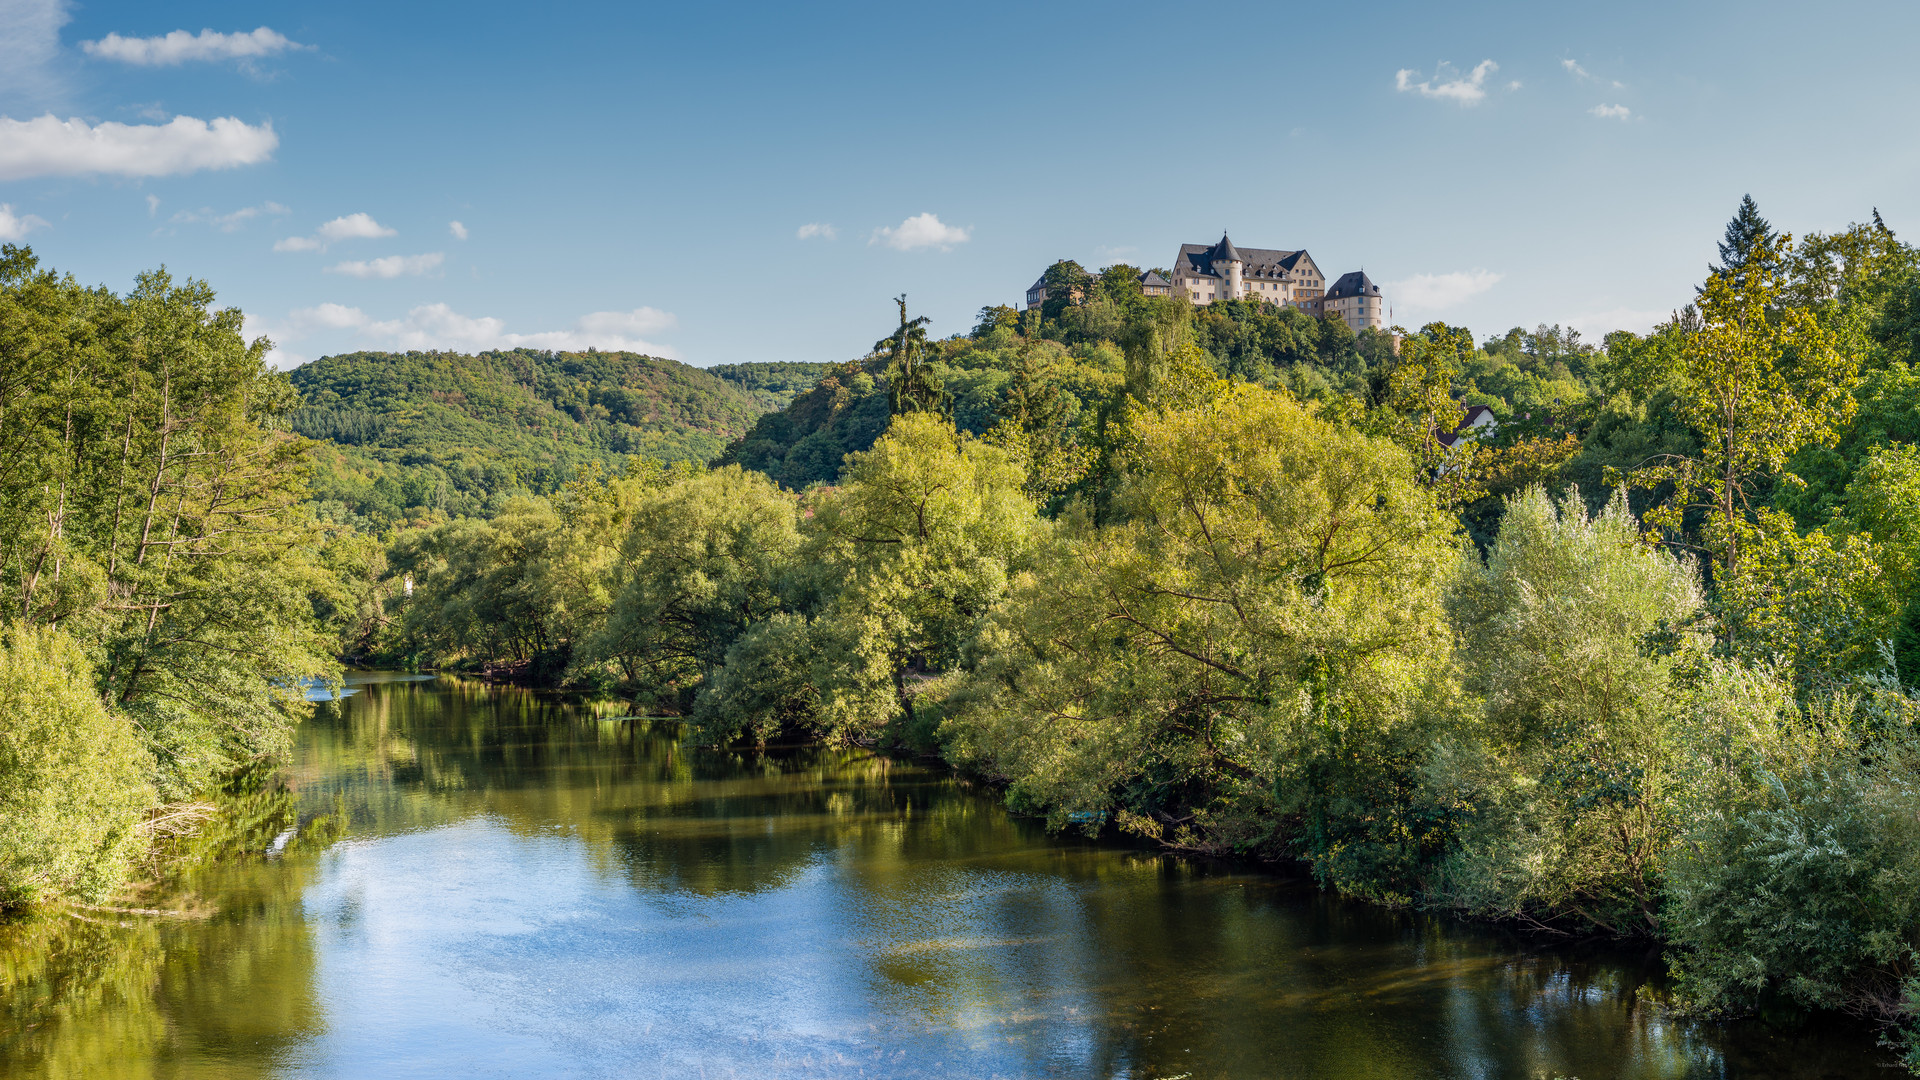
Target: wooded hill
[(419, 434)]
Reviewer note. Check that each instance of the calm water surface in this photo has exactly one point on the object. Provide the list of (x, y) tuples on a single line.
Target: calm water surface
[(489, 882)]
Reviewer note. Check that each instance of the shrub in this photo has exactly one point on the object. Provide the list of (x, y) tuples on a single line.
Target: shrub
[(73, 776)]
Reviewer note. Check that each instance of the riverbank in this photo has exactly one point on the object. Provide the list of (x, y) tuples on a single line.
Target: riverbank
[(522, 886)]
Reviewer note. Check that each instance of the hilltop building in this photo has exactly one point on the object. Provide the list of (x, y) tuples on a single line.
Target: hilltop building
[(1151, 284), (1208, 272), (1356, 299), (1204, 273)]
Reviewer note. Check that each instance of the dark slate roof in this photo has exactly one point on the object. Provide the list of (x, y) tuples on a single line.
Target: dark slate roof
[(1353, 284), (1198, 259), (1151, 278), (1224, 250), (1467, 422)]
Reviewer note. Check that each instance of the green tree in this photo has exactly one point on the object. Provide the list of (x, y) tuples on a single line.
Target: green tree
[(1748, 239), (1233, 663), (914, 382), (1067, 283), (1577, 791), (701, 564), (73, 776), (1756, 381), (912, 548)]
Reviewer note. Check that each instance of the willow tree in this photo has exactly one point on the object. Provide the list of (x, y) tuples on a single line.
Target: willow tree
[(1232, 664)]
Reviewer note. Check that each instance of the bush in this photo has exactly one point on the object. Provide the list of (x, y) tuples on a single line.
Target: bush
[(1801, 884), (73, 776)]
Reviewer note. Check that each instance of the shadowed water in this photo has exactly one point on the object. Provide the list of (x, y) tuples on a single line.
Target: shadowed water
[(520, 888)]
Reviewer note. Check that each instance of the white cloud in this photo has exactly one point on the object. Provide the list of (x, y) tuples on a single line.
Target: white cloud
[(360, 226), (330, 317), (16, 226), (458, 230), (390, 266), (30, 48), (1601, 323), (437, 326), (1437, 292), (1611, 112), (223, 222), (920, 231), (814, 228), (47, 146), (1468, 89), (180, 47), (153, 205), (354, 227)]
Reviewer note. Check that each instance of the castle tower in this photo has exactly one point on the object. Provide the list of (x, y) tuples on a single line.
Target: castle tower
[(1225, 255)]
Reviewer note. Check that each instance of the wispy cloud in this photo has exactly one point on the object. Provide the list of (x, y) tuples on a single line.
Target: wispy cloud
[(458, 230), (1600, 323), (357, 226), (47, 146), (228, 222), (1437, 292), (815, 228), (16, 226), (180, 47), (30, 50), (438, 326), (1574, 69), (1611, 112), (921, 231), (390, 266), (1447, 83), (153, 205)]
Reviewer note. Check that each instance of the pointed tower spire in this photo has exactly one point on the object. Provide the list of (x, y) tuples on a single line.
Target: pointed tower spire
[(1225, 249)]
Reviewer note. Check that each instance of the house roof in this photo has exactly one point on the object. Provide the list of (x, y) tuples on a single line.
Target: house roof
[(1477, 416), (1224, 250), (1151, 278), (1354, 283), (1197, 260)]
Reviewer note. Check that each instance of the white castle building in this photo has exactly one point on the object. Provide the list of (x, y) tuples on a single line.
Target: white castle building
[(1204, 273)]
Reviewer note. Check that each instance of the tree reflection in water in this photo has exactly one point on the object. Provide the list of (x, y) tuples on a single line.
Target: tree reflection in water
[(527, 888)]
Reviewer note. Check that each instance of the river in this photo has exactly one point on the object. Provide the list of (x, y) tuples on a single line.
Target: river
[(460, 880)]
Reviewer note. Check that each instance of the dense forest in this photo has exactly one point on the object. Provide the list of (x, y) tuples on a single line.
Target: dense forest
[(1638, 661), (417, 436)]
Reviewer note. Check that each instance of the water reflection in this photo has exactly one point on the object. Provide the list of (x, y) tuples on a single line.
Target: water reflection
[(525, 887)]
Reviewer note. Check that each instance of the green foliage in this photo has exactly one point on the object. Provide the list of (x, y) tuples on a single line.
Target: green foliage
[(425, 435), (1575, 763), (772, 385), (74, 778), (1227, 658), (700, 564), (153, 510), (520, 591), (907, 554), (1799, 881), (1757, 381), (805, 443), (915, 382)]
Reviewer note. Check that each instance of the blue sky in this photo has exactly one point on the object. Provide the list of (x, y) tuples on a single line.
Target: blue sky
[(643, 176)]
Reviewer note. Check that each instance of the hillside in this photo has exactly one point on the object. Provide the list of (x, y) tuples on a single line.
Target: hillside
[(412, 434)]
